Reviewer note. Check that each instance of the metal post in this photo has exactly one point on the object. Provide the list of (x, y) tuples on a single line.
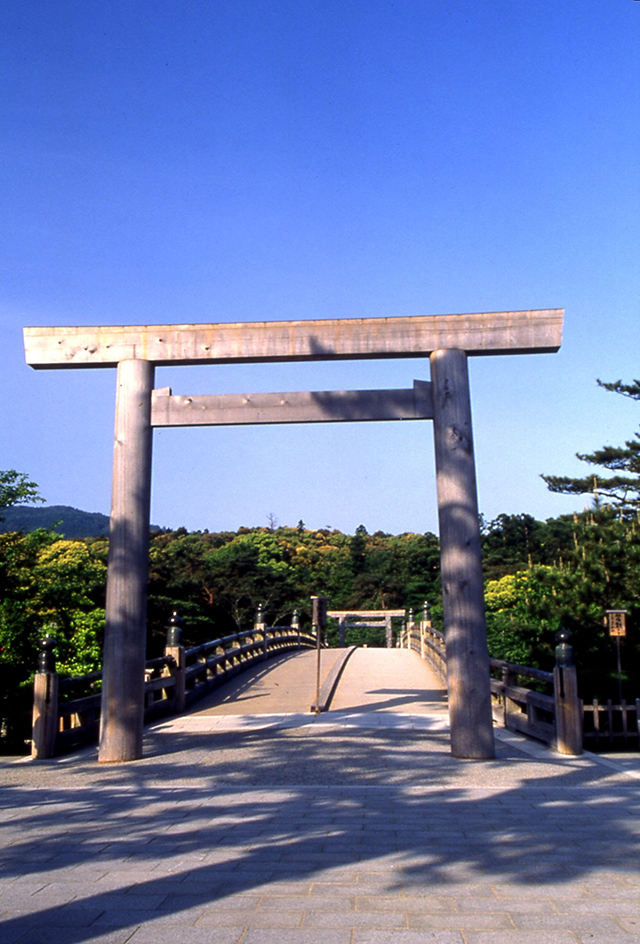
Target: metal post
[(319, 619), (460, 559), (122, 715)]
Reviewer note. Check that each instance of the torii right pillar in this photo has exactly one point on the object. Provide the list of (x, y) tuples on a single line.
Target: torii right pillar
[(461, 560)]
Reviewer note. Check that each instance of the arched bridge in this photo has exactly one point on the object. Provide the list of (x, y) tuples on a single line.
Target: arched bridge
[(282, 673), (251, 820)]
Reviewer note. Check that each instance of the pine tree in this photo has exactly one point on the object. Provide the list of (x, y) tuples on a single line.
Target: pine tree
[(622, 489)]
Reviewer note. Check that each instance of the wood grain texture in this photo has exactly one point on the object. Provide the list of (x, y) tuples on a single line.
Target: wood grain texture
[(504, 332), (329, 406), (126, 605), (460, 560)]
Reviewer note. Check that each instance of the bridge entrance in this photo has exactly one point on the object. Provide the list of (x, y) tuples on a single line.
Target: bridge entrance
[(447, 340)]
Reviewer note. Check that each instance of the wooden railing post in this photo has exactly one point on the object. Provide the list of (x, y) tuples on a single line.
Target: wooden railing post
[(175, 650), (342, 632), (569, 712), (45, 703), (295, 625), (509, 679), (259, 626)]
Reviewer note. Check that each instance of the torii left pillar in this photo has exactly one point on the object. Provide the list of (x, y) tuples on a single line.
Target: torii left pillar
[(122, 717)]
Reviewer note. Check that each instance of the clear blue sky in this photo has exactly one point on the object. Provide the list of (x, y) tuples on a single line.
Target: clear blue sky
[(170, 162)]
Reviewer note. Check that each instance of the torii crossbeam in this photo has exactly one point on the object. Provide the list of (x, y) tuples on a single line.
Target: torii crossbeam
[(446, 339)]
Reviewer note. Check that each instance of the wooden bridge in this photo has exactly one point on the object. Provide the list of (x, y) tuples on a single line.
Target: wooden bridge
[(251, 820), (283, 670)]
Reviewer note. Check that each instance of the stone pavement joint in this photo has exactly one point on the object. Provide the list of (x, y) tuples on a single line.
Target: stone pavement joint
[(352, 827)]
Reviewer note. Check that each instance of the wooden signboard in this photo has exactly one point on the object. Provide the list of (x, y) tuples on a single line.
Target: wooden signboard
[(617, 621)]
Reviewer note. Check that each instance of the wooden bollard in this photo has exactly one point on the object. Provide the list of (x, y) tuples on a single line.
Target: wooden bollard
[(45, 703), (175, 650), (569, 710), (260, 626)]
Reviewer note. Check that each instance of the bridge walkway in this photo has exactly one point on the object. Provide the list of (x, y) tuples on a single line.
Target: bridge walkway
[(395, 680), (351, 827)]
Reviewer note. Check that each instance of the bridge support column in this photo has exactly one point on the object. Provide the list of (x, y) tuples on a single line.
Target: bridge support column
[(122, 715), (460, 559)]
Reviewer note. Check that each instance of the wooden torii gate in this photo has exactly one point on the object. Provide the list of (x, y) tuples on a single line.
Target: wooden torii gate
[(445, 339), (373, 619)]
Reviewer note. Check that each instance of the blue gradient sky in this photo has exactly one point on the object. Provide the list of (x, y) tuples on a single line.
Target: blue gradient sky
[(238, 161)]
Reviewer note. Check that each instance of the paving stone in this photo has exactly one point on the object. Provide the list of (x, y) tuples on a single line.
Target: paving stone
[(237, 918), (552, 922), (301, 902), (9, 934), (67, 916), (361, 936), (541, 891), (178, 903), (134, 917), (450, 890), (397, 903), (504, 906), (298, 936), (46, 935), (519, 937), (458, 921), (151, 934), (619, 906), (604, 938), (613, 892)]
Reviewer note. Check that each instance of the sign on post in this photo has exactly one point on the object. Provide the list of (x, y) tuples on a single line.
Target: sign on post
[(617, 622)]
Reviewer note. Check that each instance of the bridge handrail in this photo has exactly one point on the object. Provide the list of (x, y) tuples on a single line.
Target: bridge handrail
[(428, 642), (556, 717), (171, 682), (525, 670)]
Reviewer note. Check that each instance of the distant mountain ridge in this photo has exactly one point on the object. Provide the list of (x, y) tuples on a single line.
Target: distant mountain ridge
[(67, 521)]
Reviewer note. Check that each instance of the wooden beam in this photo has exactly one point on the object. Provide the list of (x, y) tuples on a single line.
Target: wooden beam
[(503, 332), (330, 406), (365, 614)]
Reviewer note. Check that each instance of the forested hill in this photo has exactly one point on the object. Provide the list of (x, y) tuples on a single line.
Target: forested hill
[(64, 520)]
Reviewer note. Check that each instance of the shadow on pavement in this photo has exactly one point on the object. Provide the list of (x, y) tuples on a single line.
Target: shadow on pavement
[(207, 816)]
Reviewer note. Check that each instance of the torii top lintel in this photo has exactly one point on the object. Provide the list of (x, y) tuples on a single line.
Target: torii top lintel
[(504, 332)]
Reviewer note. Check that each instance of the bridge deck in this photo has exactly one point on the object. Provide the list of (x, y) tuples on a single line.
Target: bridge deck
[(352, 827), (395, 680)]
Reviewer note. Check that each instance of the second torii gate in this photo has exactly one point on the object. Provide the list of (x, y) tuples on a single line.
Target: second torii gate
[(446, 339), (373, 619)]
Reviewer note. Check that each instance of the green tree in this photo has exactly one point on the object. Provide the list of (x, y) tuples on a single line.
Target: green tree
[(16, 489), (622, 489)]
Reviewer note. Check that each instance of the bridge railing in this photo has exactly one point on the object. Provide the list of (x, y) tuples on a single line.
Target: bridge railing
[(520, 708), (428, 642), (66, 712), (554, 715)]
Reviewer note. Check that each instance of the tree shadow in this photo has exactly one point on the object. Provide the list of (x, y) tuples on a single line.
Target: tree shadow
[(204, 817)]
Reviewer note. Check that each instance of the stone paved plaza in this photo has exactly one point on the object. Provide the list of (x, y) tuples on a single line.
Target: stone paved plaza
[(353, 827)]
